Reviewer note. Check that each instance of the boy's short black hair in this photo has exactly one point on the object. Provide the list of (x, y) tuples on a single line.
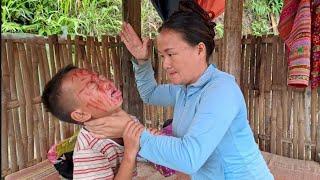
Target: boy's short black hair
[(52, 97)]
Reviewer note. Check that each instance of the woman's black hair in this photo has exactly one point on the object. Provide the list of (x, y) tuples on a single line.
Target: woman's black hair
[(194, 24)]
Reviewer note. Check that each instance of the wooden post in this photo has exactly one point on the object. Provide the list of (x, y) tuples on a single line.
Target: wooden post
[(131, 100), (232, 38)]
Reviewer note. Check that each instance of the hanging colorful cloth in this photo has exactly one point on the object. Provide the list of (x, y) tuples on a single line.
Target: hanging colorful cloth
[(295, 29), (315, 44)]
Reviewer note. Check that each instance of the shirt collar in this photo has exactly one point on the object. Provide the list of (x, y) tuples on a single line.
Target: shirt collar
[(202, 81)]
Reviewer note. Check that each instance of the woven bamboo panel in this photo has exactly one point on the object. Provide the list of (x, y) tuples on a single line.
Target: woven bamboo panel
[(27, 64), (284, 120)]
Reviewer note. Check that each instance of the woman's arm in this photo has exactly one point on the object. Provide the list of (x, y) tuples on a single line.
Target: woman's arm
[(131, 136), (217, 109), (150, 92)]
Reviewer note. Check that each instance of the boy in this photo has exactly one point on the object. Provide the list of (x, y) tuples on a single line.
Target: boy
[(77, 95)]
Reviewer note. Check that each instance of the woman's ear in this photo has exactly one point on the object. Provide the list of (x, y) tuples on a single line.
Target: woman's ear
[(80, 116), (202, 49)]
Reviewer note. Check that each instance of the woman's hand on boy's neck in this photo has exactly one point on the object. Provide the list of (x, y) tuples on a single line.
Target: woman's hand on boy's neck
[(110, 126)]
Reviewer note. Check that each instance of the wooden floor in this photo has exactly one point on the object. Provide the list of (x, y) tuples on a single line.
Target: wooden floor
[(281, 167)]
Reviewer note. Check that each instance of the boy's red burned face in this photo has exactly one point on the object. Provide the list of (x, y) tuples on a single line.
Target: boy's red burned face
[(95, 94)]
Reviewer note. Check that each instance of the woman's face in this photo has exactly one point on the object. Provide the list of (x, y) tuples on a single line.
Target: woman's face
[(183, 63), (94, 94)]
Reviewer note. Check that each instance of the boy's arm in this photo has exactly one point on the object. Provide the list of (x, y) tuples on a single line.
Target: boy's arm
[(131, 137), (126, 169)]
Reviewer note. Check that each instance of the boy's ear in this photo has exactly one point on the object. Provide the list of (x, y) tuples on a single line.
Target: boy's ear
[(80, 116)]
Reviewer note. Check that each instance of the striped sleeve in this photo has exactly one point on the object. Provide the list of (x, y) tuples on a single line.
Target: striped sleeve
[(90, 164)]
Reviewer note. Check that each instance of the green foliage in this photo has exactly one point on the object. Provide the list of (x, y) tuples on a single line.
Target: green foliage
[(97, 17), (219, 30), (46, 17), (262, 10), (150, 20)]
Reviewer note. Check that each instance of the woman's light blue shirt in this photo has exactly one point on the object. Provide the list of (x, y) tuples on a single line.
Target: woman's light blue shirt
[(213, 139)]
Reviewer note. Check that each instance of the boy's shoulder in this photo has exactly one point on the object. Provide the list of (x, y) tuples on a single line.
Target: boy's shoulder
[(86, 140)]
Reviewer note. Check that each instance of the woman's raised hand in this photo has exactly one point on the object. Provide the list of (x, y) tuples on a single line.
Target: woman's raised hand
[(139, 49)]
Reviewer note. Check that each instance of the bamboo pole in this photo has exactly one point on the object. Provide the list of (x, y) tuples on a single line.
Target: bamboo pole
[(63, 55), (115, 63), (69, 47), (53, 71), (262, 75), (281, 82), (95, 52), (88, 53), (290, 121), (285, 104), (77, 54), (30, 110), (251, 84), (43, 123), (105, 54), (295, 124), (268, 82), (13, 66), (246, 74), (43, 78), (5, 95), (256, 89), (301, 120), (20, 81), (11, 134), (275, 85), (314, 124), (36, 114), (99, 51), (232, 37), (56, 65), (119, 62)]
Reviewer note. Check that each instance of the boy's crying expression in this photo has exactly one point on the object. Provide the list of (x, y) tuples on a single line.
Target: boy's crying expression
[(93, 94)]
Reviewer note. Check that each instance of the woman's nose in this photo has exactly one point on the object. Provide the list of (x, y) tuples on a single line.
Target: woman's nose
[(166, 63)]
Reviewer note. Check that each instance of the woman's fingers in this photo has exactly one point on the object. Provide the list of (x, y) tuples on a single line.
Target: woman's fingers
[(133, 129), (96, 122)]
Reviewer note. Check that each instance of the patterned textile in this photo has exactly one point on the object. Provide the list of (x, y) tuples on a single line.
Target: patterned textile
[(65, 146), (315, 44), (295, 29), (164, 170)]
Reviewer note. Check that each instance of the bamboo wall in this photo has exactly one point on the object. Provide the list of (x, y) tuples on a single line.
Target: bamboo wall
[(27, 130), (285, 120)]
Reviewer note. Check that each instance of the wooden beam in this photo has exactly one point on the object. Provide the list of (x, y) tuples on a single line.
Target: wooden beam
[(131, 100), (231, 56)]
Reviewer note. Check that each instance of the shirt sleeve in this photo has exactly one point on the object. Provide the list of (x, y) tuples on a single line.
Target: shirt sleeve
[(218, 107), (90, 164), (150, 92)]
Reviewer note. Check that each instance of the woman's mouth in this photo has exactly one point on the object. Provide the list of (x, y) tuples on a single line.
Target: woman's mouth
[(172, 73)]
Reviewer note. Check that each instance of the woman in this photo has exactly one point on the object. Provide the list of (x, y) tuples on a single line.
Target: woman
[(213, 139)]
